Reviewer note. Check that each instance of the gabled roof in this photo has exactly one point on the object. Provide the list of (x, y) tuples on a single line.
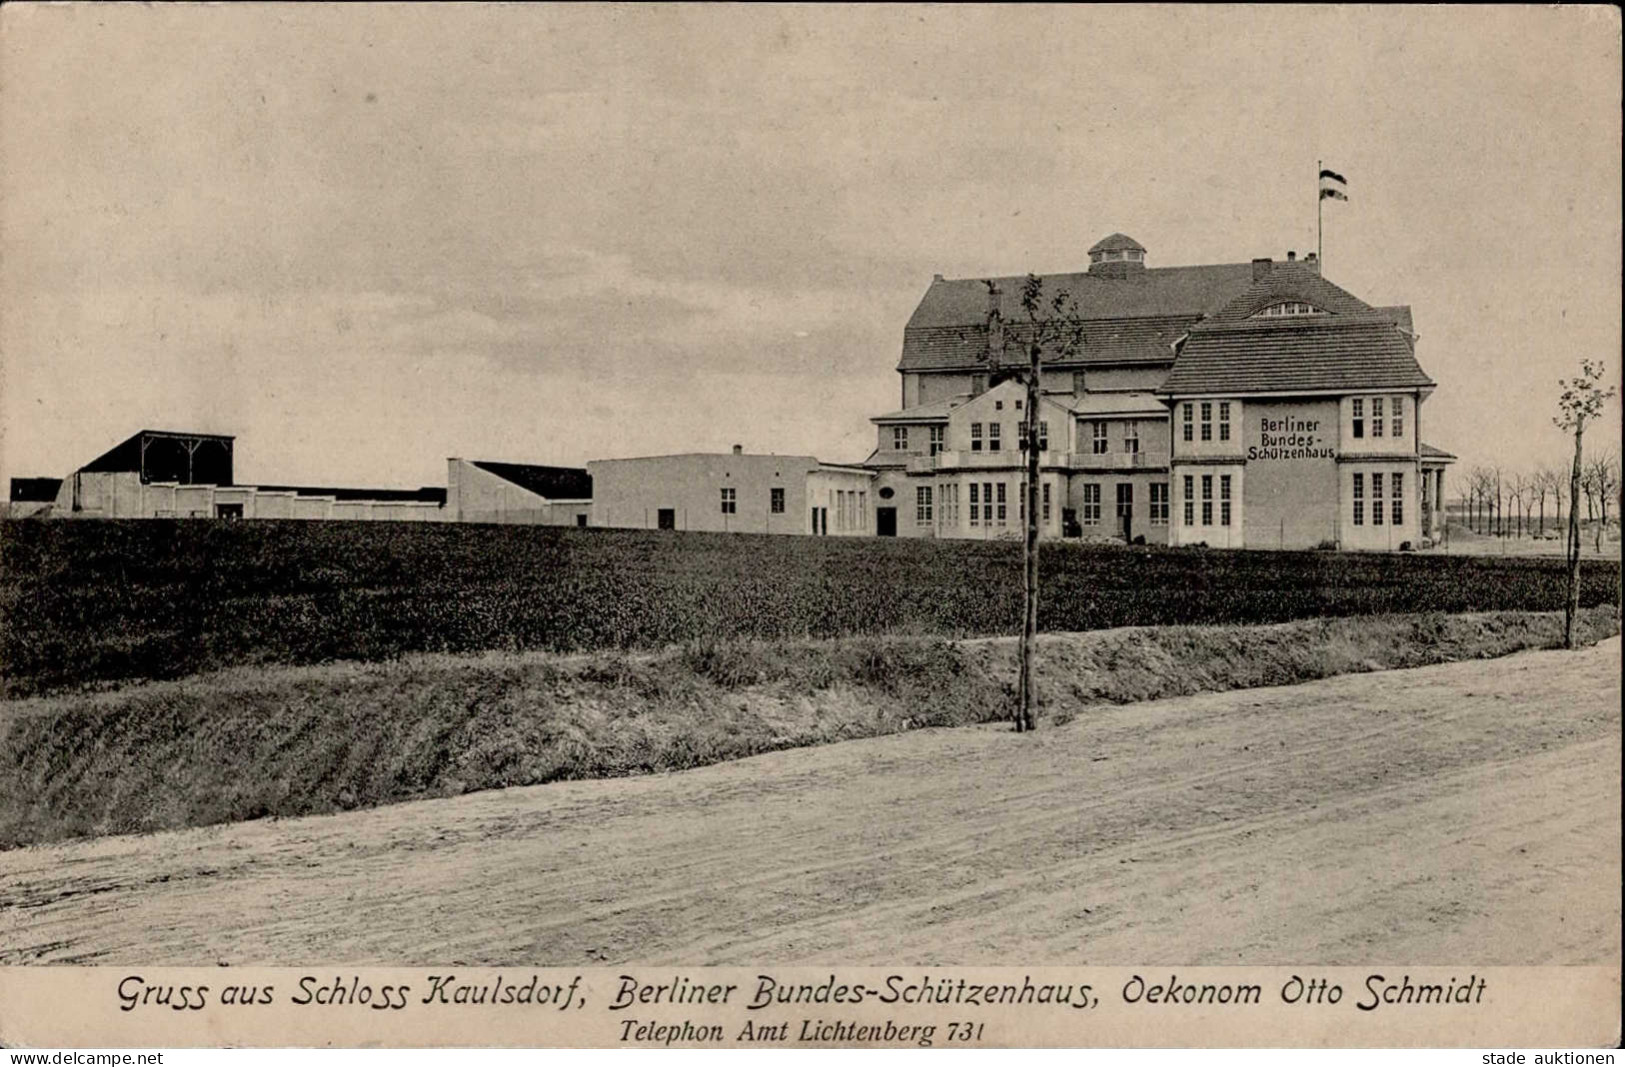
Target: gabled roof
[(1117, 242), (552, 483), (1308, 354), (1131, 319)]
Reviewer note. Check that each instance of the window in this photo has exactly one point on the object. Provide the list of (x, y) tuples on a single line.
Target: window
[(1046, 503), (975, 437), (1398, 516), (776, 501), (728, 505), (863, 510), (1357, 409), (987, 503), (899, 438), (1000, 488), (1207, 420), (1188, 411), (1190, 500), (992, 437), (1018, 405), (936, 439), (1125, 501), (1289, 307), (1224, 420), (1224, 500), (975, 500), (1396, 410), (1376, 417), (1098, 446), (998, 405), (1131, 437), (1359, 498), (1091, 504), (1043, 435), (1207, 500), (1159, 503), (1376, 500), (922, 505), (948, 503)]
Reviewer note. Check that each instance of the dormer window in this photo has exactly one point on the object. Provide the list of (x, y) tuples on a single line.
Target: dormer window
[(1287, 307)]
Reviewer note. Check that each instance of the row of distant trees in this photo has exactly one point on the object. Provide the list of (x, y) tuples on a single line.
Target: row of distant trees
[(1498, 502)]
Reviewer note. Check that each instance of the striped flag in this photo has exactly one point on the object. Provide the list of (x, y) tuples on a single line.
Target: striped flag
[(1332, 185)]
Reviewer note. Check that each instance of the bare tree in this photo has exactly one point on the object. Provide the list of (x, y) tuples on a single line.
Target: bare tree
[(1049, 328), (1602, 474), (1517, 489), (1582, 400)]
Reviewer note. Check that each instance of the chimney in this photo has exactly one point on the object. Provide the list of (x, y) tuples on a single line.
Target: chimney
[(1312, 260), (1291, 257), (935, 278), (1261, 268), (739, 450), (995, 324)]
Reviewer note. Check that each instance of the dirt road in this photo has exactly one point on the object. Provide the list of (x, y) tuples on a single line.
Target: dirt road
[(1467, 813)]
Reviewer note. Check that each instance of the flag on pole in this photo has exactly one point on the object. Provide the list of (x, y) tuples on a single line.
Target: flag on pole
[(1332, 185)]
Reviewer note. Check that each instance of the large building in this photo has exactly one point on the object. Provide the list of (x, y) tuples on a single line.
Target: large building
[(1236, 405), (735, 492)]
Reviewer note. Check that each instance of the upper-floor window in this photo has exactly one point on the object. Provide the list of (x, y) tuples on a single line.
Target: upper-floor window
[(1189, 411), (1396, 415), (1131, 436), (1043, 435), (1287, 307), (975, 437), (936, 439), (1207, 423), (1357, 416), (899, 438), (1098, 444), (992, 437), (1224, 420)]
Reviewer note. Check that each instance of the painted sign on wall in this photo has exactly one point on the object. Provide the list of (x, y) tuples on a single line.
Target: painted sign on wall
[(1292, 436)]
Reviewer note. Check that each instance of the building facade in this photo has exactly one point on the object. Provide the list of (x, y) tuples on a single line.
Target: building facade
[(1232, 405), (733, 492)]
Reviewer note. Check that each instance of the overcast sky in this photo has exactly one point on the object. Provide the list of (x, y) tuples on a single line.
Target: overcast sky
[(366, 239)]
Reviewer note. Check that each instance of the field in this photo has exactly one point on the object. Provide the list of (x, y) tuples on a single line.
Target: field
[(101, 603), (1464, 814)]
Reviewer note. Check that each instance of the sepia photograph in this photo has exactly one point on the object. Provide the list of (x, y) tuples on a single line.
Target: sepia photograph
[(712, 525)]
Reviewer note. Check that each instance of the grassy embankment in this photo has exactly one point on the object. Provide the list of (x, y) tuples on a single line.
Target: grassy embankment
[(251, 742)]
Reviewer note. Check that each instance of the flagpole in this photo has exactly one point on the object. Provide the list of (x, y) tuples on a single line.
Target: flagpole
[(1320, 201)]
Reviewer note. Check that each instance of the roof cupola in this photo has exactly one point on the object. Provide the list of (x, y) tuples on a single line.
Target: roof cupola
[(1117, 256)]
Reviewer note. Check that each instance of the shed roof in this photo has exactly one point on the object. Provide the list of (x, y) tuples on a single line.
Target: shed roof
[(552, 483)]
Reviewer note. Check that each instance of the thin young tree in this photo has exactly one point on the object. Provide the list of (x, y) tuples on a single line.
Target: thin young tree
[(1582, 401), (1048, 328), (1603, 475)]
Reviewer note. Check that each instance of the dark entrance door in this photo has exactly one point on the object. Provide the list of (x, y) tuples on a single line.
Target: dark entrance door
[(666, 518), (1125, 510), (228, 511), (886, 522)]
